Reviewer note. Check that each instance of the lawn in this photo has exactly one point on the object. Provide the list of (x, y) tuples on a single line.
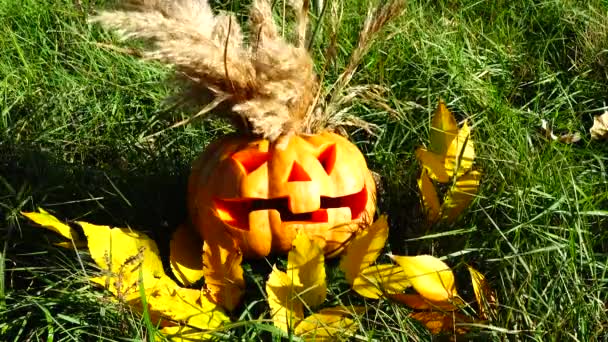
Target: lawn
[(84, 133)]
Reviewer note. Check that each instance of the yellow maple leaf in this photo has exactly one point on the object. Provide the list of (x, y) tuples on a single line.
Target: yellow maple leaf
[(122, 254), (378, 280), (430, 200), (186, 255), (185, 314), (306, 266), (50, 222), (461, 153), (223, 273), (364, 249), (443, 129), (429, 276), (486, 297), (328, 324), (460, 195), (285, 306)]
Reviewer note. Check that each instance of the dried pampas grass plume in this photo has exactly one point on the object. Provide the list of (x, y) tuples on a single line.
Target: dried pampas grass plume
[(266, 81)]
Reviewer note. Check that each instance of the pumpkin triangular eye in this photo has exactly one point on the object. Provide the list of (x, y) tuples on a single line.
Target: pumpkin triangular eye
[(250, 160), (327, 158), (298, 174)]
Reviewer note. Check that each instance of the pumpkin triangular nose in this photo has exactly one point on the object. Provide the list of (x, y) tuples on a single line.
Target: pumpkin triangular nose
[(298, 174)]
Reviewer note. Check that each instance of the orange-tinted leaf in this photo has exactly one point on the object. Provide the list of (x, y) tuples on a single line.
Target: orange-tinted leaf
[(430, 200), (486, 297), (460, 195), (306, 266), (223, 273), (433, 164), (327, 325), (443, 129), (285, 306), (186, 255), (377, 280), (418, 302), (461, 153), (429, 276), (438, 321), (364, 249)]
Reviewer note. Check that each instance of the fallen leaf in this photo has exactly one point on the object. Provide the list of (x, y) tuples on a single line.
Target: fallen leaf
[(50, 222), (181, 333), (599, 130), (433, 164), (417, 302), (364, 249), (223, 273), (430, 200), (566, 138), (443, 129), (461, 153), (181, 307), (438, 322), (570, 138), (133, 272), (186, 255), (286, 309), (306, 266), (547, 130), (460, 195), (122, 254), (429, 276), (378, 280), (327, 325), (486, 297)]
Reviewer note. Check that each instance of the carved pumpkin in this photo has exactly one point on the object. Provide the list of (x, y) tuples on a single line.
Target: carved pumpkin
[(260, 193)]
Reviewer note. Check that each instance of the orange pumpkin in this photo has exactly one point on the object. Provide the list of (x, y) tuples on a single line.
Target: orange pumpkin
[(260, 193)]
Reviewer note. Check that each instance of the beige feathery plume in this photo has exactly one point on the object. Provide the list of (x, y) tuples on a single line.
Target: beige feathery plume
[(265, 81)]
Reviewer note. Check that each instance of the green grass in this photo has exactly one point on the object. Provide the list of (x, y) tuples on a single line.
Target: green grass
[(74, 115)]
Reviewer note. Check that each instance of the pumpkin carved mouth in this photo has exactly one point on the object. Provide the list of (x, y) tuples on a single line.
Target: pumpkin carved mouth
[(235, 212)]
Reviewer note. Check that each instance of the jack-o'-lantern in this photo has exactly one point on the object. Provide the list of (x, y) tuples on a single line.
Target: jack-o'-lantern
[(260, 193)]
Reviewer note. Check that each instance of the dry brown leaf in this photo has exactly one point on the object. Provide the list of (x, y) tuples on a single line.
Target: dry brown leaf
[(599, 130)]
